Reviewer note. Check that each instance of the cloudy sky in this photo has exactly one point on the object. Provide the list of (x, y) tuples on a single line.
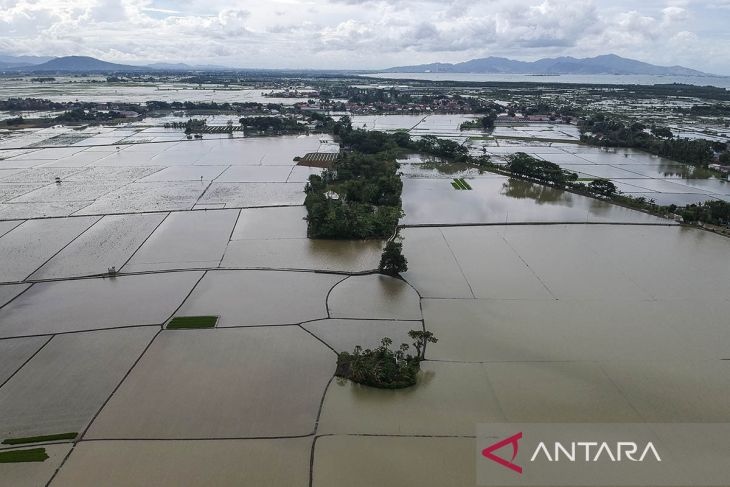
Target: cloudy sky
[(366, 34)]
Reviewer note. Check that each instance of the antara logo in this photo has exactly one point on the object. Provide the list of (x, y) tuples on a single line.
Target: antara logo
[(576, 451), (512, 440)]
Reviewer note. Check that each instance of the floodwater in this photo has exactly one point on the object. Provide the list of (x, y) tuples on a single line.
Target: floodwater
[(303, 253), (449, 399), (15, 352), (90, 304), (9, 291), (69, 89), (271, 223), (68, 381), (170, 175), (35, 473), (250, 298), (374, 296), (364, 461), (270, 462), (228, 372), (28, 246), (559, 322), (247, 195), (185, 240), (137, 197), (110, 242), (634, 172), (345, 335), (505, 200)]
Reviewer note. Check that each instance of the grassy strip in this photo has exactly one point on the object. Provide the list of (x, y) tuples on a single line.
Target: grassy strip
[(40, 439), (191, 322), (460, 184), (21, 456)]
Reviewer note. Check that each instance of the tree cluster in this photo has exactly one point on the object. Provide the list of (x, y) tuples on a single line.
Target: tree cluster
[(277, 125), (81, 115), (713, 212), (544, 171), (602, 131), (383, 367)]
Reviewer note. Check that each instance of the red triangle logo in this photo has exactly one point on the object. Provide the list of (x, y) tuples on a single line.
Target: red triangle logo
[(512, 440)]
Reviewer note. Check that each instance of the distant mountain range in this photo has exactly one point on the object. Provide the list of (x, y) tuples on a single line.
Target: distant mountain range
[(20, 61), (81, 64), (86, 64), (607, 64)]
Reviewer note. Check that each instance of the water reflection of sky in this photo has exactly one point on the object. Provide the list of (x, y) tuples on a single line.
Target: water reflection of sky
[(505, 200)]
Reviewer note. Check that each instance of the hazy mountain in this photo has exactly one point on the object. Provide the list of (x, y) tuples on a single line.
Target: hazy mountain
[(8, 61), (80, 64), (607, 64)]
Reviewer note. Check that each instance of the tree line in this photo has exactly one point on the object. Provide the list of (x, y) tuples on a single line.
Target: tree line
[(602, 131)]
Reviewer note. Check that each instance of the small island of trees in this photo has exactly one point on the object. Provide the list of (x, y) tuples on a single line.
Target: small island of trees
[(384, 367)]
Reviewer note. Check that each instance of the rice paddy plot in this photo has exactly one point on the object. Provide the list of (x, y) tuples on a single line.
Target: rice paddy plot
[(249, 298), (147, 197), (318, 159), (304, 253), (8, 191), (34, 473), (7, 225), (65, 384), (131, 463), (62, 140), (68, 191), (185, 240), (40, 439), (90, 304), (28, 246), (449, 399), (504, 200), (364, 461), (374, 297), (23, 456), (15, 352), (255, 174), (185, 173), (460, 184), (271, 223), (259, 382), (432, 266), (15, 211), (345, 335), (192, 322), (45, 175), (251, 195), (108, 244)]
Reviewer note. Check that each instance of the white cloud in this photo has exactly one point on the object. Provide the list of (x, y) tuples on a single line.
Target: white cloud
[(366, 33)]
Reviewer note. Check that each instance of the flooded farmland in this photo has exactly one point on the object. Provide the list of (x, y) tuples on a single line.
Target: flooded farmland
[(548, 306)]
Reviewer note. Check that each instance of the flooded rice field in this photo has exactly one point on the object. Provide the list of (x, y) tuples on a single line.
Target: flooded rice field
[(139, 463), (227, 371), (495, 199), (635, 173), (548, 306), (66, 383), (89, 89)]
